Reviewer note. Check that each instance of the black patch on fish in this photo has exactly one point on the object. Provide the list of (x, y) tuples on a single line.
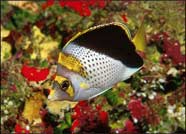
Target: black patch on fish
[(113, 41)]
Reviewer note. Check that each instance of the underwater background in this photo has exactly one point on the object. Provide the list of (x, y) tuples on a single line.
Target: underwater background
[(32, 35)]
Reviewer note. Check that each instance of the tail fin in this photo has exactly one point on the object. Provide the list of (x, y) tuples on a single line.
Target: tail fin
[(139, 39)]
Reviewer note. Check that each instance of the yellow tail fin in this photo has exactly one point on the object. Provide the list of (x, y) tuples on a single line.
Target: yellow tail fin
[(139, 39)]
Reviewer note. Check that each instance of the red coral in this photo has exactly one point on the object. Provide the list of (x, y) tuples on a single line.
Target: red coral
[(34, 74), (49, 130), (98, 107), (40, 23), (75, 126), (173, 51), (47, 4), (129, 127), (82, 7), (19, 130), (124, 17), (152, 117), (142, 112), (101, 3), (86, 118), (103, 117), (46, 124), (171, 48), (82, 104), (137, 109), (79, 6)]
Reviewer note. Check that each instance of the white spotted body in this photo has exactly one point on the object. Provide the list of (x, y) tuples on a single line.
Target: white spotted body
[(103, 71)]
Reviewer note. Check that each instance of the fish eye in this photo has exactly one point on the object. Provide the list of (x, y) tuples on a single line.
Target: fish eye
[(65, 84)]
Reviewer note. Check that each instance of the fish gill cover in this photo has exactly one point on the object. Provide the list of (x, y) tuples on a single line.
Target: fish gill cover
[(32, 35)]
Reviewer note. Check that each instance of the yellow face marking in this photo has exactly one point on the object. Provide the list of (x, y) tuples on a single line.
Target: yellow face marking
[(71, 63), (60, 79), (69, 90), (84, 85)]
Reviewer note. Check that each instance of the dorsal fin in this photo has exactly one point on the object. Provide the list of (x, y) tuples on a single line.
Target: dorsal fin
[(111, 39)]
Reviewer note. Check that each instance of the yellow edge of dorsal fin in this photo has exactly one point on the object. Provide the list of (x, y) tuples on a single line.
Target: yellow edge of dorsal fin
[(122, 25)]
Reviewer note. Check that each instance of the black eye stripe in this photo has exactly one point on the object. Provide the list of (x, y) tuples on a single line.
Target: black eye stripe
[(64, 85)]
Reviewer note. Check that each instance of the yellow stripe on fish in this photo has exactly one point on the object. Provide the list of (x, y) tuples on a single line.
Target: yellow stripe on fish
[(71, 63)]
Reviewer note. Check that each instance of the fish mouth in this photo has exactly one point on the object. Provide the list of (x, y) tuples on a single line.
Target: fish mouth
[(52, 98), (54, 95)]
